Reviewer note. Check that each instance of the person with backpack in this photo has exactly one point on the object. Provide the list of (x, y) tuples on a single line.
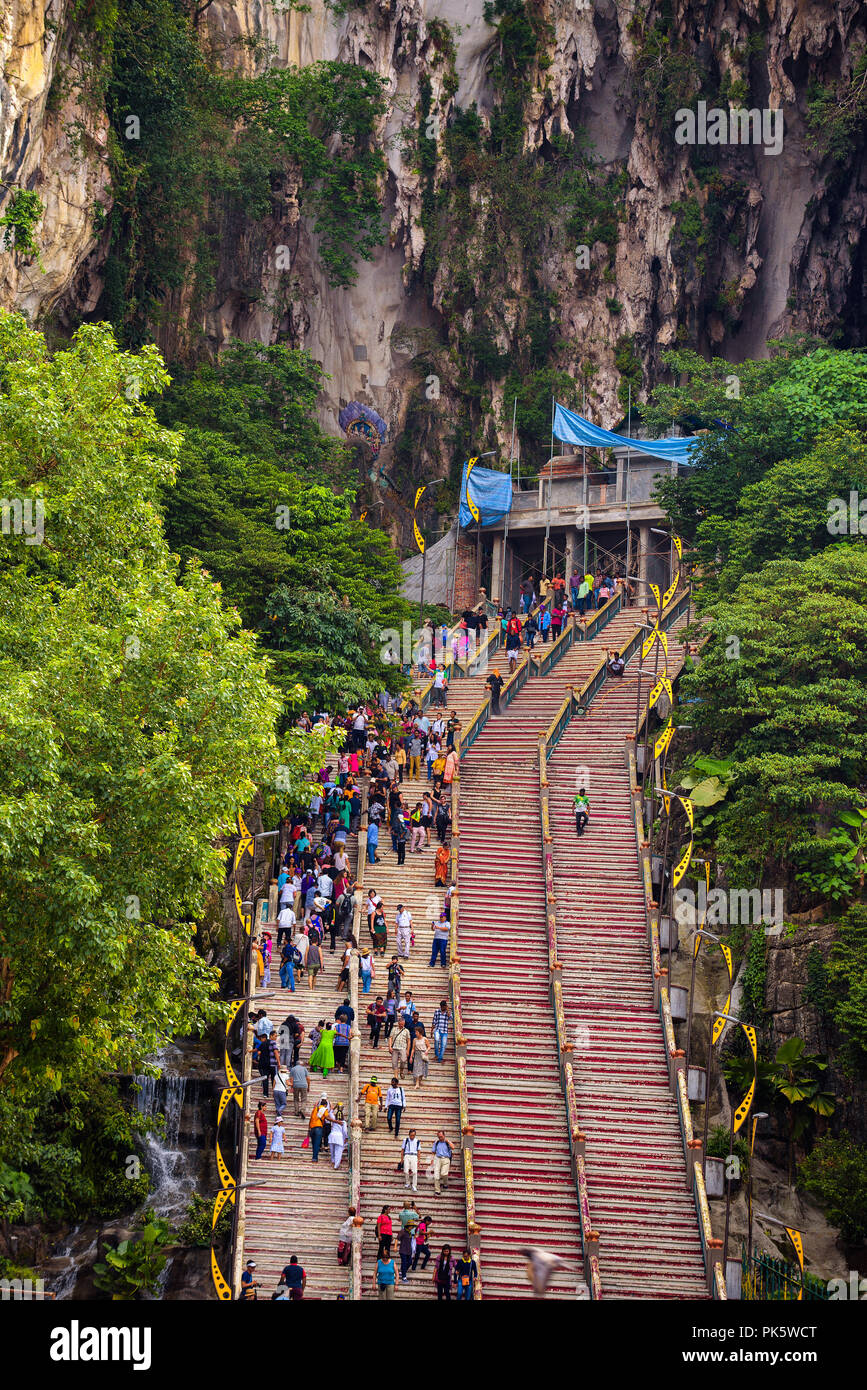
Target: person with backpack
[(466, 1273), (405, 1250), (375, 1020), (581, 807), (410, 1150), (395, 1101), (371, 1094), (289, 957), (342, 1035), (422, 1236), (368, 972), (282, 1082)]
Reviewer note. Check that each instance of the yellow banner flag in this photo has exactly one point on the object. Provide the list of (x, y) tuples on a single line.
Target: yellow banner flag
[(665, 737), (727, 956), (751, 1038), (795, 1238), (720, 1023), (470, 503), (681, 868), (678, 545), (418, 494), (744, 1108), (419, 538), (687, 806), (655, 591), (670, 592), (224, 1293)]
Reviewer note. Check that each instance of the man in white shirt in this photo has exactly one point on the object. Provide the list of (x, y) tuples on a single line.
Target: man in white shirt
[(325, 885), (403, 922), (411, 1146), (395, 1100), (285, 922)]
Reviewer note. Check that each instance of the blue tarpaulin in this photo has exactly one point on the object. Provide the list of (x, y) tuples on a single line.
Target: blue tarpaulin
[(491, 492), (574, 429)]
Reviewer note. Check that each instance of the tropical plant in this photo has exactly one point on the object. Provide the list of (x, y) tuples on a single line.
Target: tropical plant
[(134, 1266), (798, 1079)]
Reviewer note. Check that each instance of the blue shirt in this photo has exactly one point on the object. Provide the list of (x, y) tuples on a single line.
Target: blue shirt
[(373, 833), (385, 1271)]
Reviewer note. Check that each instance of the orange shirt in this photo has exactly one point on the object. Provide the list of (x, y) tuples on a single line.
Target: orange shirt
[(372, 1095)]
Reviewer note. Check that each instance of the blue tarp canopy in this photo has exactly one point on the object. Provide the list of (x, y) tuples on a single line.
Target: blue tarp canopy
[(491, 492), (574, 429)]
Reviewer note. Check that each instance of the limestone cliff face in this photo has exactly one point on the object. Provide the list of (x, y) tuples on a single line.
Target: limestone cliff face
[(53, 145), (781, 245)]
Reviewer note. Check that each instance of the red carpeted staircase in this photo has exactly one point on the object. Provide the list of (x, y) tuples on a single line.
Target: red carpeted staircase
[(525, 1192), (649, 1238)]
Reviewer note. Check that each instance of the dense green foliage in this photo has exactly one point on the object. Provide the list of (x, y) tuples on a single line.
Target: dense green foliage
[(835, 1172), (137, 718), (202, 157), (785, 701), (23, 212), (251, 503)]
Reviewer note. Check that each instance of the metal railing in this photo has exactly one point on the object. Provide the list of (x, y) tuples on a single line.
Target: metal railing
[(692, 1147), (473, 1230), (577, 1140)]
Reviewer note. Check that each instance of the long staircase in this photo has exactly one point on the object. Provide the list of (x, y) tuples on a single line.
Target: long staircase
[(525, 1192), (434, 1104), (650, 1246)]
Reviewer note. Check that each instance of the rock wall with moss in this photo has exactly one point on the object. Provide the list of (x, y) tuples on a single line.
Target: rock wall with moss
[(508, 213)]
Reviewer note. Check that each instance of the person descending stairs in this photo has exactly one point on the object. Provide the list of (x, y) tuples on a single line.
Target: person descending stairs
[(433, 1105)]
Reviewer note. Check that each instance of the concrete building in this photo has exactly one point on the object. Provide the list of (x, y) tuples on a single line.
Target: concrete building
[(572, 512)]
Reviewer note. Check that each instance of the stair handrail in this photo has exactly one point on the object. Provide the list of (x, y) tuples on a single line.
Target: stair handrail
[(467, 1131), (355, 1265), (692, 1147), (577, 1140)]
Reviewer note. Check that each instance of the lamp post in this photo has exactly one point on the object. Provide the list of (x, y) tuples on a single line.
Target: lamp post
[(759, 1115), (730, 1018), (420, 542)]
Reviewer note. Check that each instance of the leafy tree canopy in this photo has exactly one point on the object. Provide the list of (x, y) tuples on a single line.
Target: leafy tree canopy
[(780, 692)]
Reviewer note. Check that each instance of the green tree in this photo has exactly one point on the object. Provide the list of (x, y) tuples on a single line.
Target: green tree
[(835, 1172), (779, 692), (137, 718)]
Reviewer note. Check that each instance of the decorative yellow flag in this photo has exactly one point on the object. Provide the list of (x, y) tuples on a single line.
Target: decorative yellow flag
[(655, 591), (224, 1293), (227, 1194), (744, 1108), (795, 1238), (751, 1038), (665, 737), (720, 1023), (727, 956), (687, 806), (681, 868), (669, 593), (419, 538), (418, 494), (470, 503), (678, 545), (656, 635)]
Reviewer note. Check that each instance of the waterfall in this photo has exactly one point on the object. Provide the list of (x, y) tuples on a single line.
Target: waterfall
[(172, 1184)]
